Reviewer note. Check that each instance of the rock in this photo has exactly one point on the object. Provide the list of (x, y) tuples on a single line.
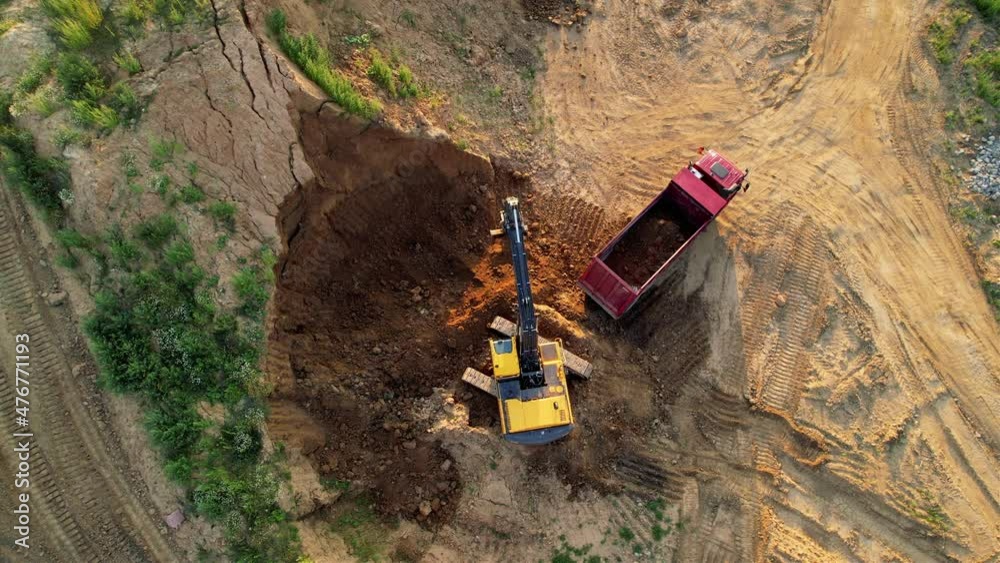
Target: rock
[(425, 508), (376, 350), (446, 465), (78, 371), (56, 299), (174, 519), (410, 445)]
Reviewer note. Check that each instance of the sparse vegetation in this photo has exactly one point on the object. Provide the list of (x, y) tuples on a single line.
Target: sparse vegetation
[(357, 524), (128, 62), (44, 181), (409, 18), (315, 62), (992, 290), (381, 73), (6, 24), (985, 66), (224, 214), (944, 31)]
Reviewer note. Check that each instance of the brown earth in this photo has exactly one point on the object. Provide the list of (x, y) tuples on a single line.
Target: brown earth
[(649, 244)]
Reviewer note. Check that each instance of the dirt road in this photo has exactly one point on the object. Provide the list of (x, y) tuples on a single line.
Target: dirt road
[(861, 315), (83, 505)]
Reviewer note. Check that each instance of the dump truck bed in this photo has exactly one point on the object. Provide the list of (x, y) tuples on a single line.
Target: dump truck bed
[(636, 260)]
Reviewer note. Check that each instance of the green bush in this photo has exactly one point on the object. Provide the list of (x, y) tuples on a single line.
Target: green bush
[(125, 102), (224, 213), (992, 290), (128, 62), (35, 75), (407, 86), (191, 194), (71, 238), (100, 116), (42, 180), (314, 60), (156, 231), (124, 253), (164, 151), (67, 136), (986, 68), (79, 78), (75, 21), (989, 8), (180, 253)]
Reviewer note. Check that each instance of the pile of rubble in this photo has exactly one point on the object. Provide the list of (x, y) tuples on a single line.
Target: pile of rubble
[(985, 169)]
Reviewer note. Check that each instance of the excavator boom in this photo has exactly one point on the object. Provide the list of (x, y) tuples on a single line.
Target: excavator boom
[(527, 333)]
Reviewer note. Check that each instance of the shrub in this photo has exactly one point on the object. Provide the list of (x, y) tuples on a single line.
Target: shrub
[(986, 68), (191, 194), (381, 73), (224, 213), (35, 75), (128, 62), (6, 24), (40, 179), (124, 253), (100, 116), (164, 151), (126, 102), (71, 238), (67, 136), (314, 60), (74, 20), (989, 8), (79, 78), (67, 260), (157, 231), (407, 86), (180, 253), (252, 290)]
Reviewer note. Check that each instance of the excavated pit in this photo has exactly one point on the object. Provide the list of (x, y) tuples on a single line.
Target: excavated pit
[(385, 287)]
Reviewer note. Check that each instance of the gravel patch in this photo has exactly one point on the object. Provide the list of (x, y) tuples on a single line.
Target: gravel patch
[(985, 168)]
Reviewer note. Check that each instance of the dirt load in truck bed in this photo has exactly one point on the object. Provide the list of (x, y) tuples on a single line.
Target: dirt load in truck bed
[(649, 243)]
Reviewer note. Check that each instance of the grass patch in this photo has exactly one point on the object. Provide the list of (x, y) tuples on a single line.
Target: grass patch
[(567, 553), (191, 194), (357, 524), (128, 62), (223, 213), (6, 24), (74, 21), (930, 512), (626, 534), (989, 8), (315, 62), (381, 73), (944, 31), (992, 290), (409, 18), (985, 67), (164, 151)]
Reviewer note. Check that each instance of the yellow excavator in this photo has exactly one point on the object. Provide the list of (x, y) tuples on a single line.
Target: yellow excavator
[(529, 372)]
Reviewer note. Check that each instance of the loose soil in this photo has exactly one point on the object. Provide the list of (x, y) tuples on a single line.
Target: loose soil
[(649, 244)]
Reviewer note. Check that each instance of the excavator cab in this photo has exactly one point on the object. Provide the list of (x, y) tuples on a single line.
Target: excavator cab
[(529, 372)]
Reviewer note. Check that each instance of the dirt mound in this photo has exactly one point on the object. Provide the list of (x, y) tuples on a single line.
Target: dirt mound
[(648, 244), (561, 12)]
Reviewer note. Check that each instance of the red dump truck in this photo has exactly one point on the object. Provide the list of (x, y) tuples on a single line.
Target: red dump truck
[(637, 259)]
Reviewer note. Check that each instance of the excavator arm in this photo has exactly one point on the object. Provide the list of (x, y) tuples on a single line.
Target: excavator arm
[(527, 325)]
